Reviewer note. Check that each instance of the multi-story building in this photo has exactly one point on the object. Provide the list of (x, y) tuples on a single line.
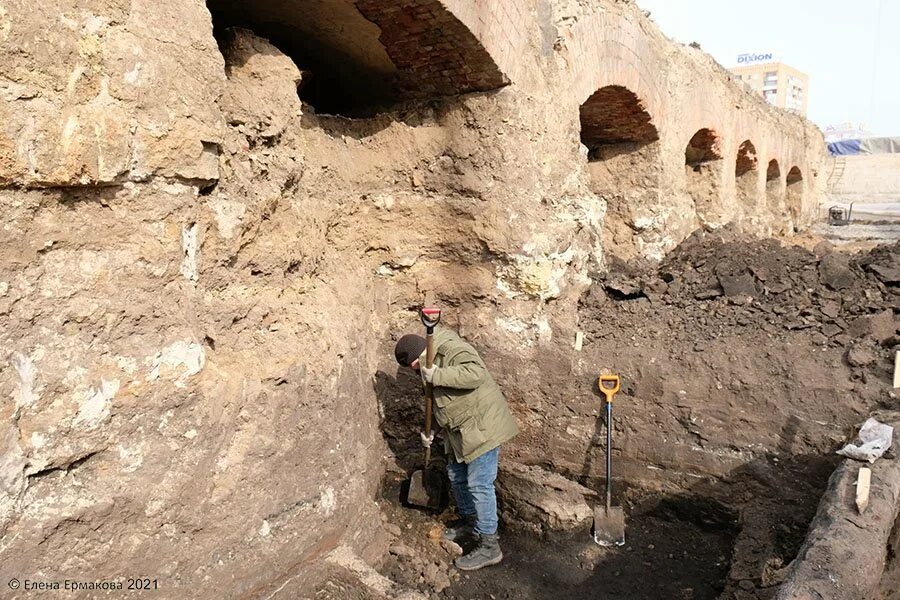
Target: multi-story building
[(779, 84)]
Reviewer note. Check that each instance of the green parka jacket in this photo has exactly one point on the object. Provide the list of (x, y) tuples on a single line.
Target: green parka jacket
[(468, 403)]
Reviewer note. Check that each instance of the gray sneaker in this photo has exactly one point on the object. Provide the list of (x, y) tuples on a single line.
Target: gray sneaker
[(460, 530), (487, 553)]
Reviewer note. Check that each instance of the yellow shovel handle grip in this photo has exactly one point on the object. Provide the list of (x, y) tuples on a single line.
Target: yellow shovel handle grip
[(609, 385)]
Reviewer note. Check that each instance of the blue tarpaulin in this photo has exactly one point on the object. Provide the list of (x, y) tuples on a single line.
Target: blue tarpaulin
[(866, 146), (845, 148)]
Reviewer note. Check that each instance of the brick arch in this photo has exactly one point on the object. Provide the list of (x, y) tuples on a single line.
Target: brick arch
[(615, 115), (746, 175), (794, 194), (358, 56), (696, 111), (501, 27), (436, 53), (604, 50), (774, 188), (703, 176), (704, 146), (747, 159)]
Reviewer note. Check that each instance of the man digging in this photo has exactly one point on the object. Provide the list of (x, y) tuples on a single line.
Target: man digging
[(472, 411)]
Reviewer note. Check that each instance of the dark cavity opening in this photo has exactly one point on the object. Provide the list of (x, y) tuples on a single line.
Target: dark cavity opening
[(746, 159), (614, 120), (345, 68), (704, 147), (362, 57)]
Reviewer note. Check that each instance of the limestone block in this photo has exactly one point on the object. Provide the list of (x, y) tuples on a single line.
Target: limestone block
[(540, 500)]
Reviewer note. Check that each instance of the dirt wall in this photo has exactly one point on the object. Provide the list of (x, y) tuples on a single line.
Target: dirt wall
[(863, 179)]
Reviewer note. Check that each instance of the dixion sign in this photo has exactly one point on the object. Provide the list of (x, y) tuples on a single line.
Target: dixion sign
[(752, 58)]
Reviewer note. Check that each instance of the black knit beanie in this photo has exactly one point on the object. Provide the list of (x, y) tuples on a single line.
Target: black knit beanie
[(409, 348)]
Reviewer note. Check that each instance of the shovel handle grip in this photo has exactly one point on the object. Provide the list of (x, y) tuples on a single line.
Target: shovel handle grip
[(609, 385), (430, 316)]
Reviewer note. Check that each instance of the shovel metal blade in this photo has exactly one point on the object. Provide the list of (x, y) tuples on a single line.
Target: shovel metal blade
[(609, 526), (424, 489)]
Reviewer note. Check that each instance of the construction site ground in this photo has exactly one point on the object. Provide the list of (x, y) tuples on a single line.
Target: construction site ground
[(780, 310)]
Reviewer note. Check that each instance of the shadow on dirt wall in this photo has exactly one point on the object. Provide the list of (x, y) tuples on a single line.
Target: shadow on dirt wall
[(401, 405)]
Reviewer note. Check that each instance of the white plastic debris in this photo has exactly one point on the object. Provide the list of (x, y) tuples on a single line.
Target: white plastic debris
[(876, 439)]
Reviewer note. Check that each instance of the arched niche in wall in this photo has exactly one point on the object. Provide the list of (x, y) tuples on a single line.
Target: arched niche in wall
[(359, 57), (773, 187), (793, 195), (623, 159), (746, 176), (703, 175)]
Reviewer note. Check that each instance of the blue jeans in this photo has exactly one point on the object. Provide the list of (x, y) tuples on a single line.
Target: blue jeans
[(473, 487)]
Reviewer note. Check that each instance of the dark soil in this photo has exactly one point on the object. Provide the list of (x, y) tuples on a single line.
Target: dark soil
[(890, 583), (724, 538), (675, 548), (723, 284)]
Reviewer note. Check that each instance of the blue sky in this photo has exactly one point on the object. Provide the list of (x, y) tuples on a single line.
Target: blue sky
[(850, 49)]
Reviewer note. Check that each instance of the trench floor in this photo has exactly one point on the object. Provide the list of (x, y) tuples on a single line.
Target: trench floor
[(677, 547), (673, 550)]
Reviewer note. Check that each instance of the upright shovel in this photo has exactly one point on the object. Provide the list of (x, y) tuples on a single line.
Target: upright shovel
[(609, 520), (426, 487)]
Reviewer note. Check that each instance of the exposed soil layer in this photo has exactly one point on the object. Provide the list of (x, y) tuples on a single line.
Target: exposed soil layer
[(724, 284), (734, 349), (727, 538), (675, 548), (733, 353)]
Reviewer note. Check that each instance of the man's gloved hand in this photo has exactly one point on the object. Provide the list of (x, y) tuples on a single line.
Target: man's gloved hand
[(427, 374), (426, 439)]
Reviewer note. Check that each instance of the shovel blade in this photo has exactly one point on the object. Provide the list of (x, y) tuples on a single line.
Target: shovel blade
[(609, 526), (424, 489)]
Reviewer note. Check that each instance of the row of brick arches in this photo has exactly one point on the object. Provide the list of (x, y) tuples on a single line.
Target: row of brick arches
[(614, 121), (361, 57)]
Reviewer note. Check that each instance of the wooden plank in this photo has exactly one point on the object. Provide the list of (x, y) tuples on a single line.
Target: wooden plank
[(863, 483)]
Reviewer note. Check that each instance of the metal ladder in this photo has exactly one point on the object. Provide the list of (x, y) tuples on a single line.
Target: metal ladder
[(837, 172)]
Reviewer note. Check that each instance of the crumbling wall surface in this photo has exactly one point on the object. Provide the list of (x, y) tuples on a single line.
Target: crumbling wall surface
[(188, 360), (175, 404), (75, 108), (201, 279), (845, 553)]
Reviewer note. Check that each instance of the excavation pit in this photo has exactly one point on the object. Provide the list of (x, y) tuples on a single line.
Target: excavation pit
[(723, 441), (721, 539), (676, 547)]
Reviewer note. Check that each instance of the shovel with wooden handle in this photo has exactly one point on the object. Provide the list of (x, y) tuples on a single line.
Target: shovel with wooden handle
[(609, 520), (426, 487)]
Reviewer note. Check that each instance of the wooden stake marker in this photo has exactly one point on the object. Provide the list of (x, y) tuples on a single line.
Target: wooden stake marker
[(863, 483)]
